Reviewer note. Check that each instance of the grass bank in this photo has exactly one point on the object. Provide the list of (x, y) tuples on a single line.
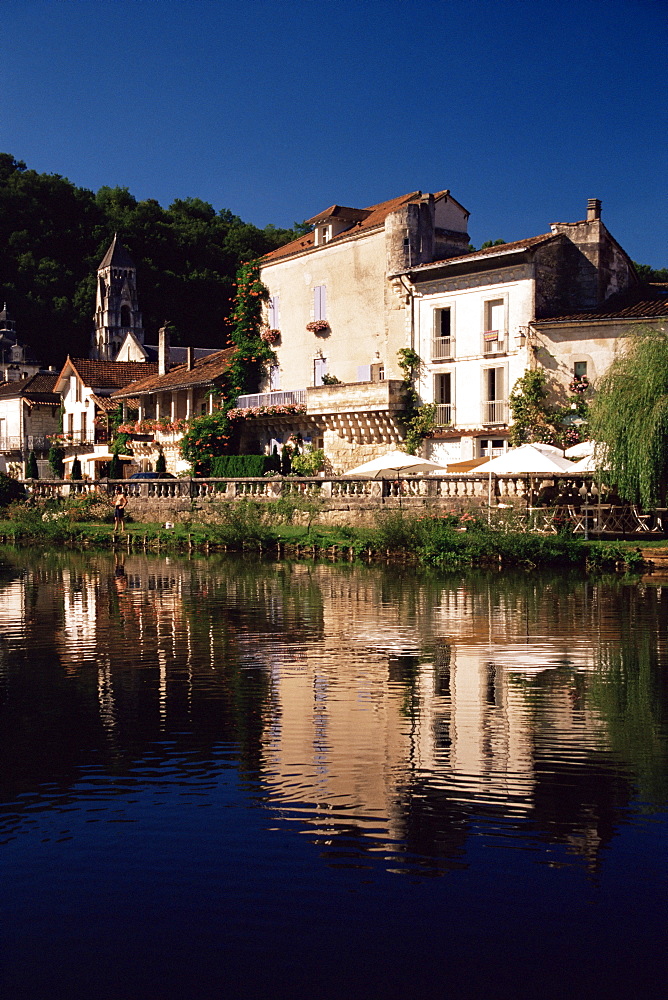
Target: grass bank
[(293, 528)]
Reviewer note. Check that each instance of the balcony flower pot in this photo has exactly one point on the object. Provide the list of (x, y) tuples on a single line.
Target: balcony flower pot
[(270, 335), (318, 326)]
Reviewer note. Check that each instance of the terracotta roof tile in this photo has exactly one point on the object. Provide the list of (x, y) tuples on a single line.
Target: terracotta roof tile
[(40, 388), (108, 375), (374, 216), (203, 372)]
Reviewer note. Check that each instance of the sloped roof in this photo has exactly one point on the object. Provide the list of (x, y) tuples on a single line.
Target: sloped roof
[(642, 302), (39, 388), (106, 375), (371, 217), (116, 255), (503, 249), (203, 372)]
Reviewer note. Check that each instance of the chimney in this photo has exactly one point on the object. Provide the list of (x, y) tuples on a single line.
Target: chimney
[(593, 209), (190, 352), (163, 350)]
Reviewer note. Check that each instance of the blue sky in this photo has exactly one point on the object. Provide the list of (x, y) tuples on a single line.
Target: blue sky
[(524, 109)]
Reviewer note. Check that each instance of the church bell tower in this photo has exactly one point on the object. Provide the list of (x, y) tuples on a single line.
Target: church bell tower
[(116, 305)]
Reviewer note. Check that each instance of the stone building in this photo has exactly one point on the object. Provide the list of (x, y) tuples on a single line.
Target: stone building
[(29, 415), (344, 299), (117, 314), (165, 399), (335, 313), (476, 318)]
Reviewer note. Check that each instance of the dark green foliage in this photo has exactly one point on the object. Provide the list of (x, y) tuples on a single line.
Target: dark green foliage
[(10, 490), (56, 461), (629, 418), (207, 437), (243, 466), (76, 469), (115, 467), (286, 462), (647, 273), (161, 464), (32, 471), (533, 417), (53, 235), (418, 420)]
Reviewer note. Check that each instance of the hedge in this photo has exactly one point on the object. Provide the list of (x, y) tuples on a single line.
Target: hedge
[(244, 466)]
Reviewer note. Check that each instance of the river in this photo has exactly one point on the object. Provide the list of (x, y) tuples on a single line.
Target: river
[(234, 778)]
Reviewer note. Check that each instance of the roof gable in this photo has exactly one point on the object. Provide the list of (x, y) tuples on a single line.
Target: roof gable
[(204, 371)]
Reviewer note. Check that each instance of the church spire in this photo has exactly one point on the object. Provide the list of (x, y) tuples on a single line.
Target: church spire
[(116, 304)]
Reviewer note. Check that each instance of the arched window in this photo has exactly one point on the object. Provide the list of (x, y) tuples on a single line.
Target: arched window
[(126, 316)]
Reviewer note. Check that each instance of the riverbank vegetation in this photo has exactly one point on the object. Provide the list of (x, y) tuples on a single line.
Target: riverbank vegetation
[(294, 527)]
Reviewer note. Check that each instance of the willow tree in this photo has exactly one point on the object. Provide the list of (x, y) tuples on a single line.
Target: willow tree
[(629, 419)]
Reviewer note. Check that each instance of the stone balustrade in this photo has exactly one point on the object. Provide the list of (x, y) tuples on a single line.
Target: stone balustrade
[(453, 488)]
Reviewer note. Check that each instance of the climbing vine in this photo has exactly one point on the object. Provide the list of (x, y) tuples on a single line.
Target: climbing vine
[(251, 354), (535, 418), (419, 420)]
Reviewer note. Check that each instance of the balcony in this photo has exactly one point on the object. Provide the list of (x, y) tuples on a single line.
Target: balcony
[(494, 342), (291, 397), (30, 442), (444, 414), (356, 397), (495, 411), (442, 348)]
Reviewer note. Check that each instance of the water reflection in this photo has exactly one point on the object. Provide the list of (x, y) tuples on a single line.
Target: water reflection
[(391, 717)]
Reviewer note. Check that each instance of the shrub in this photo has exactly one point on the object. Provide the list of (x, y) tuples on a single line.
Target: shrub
[(243, 466), (32, 472), (10, 490)]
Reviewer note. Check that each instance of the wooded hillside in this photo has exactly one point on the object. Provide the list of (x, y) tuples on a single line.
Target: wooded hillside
[(53, 235)]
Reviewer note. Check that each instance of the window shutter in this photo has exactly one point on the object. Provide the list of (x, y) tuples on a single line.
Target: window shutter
[(364, 373), (273, 313), (320, 302)]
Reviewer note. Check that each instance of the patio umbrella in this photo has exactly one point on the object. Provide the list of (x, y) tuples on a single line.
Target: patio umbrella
[(581, 450), (394, 464), (528, 458), (525, 460), (97, 456)]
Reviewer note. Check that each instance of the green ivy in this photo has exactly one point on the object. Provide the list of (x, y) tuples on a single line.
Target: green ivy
[(419, 421)]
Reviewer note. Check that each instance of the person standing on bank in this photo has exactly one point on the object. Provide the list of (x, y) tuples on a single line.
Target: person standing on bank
[(120, 503)]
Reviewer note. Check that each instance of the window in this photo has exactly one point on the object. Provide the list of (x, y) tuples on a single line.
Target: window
[(126, 316), (320, 302), (273, 313), (75, 389), (83, 427), (319, 369), (494, 333), (580, 369), (443, 394), (491, 447), (494, 404), (441, 343)]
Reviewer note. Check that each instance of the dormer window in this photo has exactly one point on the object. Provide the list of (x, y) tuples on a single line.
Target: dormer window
[(323, 235)]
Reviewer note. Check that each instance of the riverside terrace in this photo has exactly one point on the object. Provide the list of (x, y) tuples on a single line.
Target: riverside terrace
[(545, 502)]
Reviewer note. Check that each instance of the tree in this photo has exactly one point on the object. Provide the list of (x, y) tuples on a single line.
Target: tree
[(32, 471), (76, 468), (629, 419), (533, 419), (57, 460), (161, 464)]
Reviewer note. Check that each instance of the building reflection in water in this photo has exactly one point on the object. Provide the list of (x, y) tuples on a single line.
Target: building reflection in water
[(385, 713)]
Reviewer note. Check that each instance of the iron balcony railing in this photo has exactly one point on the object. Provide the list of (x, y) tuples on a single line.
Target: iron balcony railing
[(277, 398), (31, 442), (494, 342), (444, 413), (495, 411), (442, 348)]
